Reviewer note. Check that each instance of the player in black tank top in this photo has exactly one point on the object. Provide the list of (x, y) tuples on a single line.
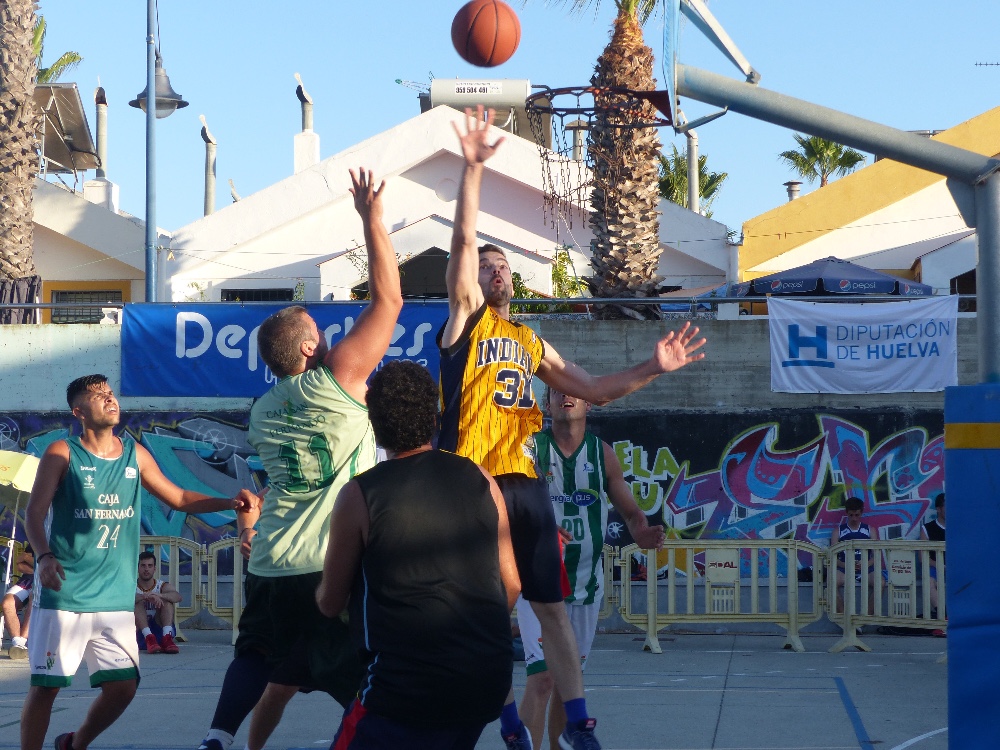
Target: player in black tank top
[(421, 544)]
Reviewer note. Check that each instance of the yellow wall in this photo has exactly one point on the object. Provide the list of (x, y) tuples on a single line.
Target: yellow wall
[(849, 198), (48, 287)]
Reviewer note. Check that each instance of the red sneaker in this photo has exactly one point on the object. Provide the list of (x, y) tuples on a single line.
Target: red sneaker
[(167, 644), (152, 647)]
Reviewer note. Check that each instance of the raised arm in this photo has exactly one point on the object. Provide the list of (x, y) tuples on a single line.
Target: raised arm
[(51, 470), (672, 352), (462, 275), (157, 484), (620, 494), (357, 355)]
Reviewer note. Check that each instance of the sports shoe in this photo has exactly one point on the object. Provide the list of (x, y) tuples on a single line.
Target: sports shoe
[(210, 745), (152, 647), (580, 737), (18, 652), (938, 633), (64, 741), (520, 740), (167, 644)]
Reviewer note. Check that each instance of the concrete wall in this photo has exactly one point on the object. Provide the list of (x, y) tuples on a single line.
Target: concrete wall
[(37, 362)]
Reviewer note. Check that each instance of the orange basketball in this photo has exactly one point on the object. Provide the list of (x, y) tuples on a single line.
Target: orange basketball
[(485, 32)]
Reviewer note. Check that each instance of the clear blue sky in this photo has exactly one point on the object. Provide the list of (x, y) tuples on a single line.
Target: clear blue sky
[(905, 63)]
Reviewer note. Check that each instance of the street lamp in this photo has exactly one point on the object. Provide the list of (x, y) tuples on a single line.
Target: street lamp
[(157, 100)]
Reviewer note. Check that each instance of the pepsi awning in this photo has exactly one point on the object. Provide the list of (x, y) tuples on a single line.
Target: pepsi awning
[(830, 276)]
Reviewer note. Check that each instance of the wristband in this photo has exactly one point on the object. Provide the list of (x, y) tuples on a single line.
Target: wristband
[(43, 556), (248, 528)]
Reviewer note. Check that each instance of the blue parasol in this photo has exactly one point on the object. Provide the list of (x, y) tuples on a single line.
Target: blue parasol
[(830, 276)]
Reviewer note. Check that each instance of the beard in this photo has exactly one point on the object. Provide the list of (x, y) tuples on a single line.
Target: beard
[(498, 296)]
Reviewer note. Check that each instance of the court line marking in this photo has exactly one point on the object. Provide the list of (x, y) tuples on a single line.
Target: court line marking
[(852, 713), (921, 738)]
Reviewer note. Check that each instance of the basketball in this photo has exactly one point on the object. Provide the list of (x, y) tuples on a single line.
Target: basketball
[(485, 32)]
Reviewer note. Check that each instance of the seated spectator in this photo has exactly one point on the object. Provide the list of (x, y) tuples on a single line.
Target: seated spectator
[(18, 598), (933, 531), (850, 528), (154, 608)]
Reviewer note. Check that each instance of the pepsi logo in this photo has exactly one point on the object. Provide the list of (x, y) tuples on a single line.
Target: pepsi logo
[(845, 284), (775, 286)]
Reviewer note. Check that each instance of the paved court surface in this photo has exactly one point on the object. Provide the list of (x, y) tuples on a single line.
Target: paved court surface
[(731, 691)]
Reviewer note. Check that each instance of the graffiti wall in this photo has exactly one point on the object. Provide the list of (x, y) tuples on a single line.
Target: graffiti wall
[(204, 452), (738, 476), (702, 475)]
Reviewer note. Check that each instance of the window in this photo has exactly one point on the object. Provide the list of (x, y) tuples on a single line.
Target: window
[(83, 314), (257, 295)]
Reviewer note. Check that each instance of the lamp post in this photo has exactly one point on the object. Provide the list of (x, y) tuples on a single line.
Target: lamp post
[(157, 100)]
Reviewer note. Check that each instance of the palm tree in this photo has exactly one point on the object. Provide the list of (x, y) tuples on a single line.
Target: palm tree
[(625, 170), (18, 140), (66, 62), (818, 157), (674, 180)]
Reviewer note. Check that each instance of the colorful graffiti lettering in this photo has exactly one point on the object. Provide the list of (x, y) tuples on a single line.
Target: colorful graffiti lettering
[(760, 492)]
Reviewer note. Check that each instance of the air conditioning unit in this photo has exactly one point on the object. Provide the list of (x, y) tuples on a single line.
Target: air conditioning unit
[(505, 95)]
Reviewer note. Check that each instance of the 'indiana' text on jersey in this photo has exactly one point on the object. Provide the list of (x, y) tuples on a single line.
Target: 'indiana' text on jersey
[(489, 413)]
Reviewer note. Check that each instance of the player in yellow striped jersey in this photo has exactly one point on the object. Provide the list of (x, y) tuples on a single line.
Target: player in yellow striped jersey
[(489, 414)]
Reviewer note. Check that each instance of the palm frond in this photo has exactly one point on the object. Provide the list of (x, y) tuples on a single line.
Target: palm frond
[(55, 71)]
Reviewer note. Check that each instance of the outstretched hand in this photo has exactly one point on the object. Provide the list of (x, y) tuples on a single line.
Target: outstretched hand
[(367, 199), (475, 145), (678, 348), (649, 537), (248, 501)]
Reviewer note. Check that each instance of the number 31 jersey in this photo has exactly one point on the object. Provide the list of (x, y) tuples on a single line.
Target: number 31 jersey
[(489, 413), (312, 438)]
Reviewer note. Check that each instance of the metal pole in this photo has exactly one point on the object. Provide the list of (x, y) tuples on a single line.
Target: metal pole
[(761, 104), (694, 174), (151, 238), (988, 278), (102, 133)]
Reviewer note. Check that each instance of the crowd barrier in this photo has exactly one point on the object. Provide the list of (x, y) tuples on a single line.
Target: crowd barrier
[(703, 584)]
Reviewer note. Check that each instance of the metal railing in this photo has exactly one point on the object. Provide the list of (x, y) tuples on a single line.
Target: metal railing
[(703, 585)]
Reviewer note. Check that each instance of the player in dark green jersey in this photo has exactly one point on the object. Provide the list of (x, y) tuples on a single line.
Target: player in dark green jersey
[(83, 520)]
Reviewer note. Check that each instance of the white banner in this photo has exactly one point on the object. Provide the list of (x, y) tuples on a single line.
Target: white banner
[(883, 347)]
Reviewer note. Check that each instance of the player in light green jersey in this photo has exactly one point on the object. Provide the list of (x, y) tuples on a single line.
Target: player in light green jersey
[(312, 433)]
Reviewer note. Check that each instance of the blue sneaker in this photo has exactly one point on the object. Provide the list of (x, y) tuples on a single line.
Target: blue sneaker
[(207, 744), (580, 737), (520, 740)]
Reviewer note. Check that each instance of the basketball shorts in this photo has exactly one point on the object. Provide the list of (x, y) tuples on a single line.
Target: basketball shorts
[(61, 640), (534, 536), (583, 619), (301, 647), (362, 730), (21, 590)]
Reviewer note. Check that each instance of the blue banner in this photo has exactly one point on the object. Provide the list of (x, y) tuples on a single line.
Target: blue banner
[(210, 349)]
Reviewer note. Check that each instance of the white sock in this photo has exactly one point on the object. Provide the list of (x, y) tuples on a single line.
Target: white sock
[(168, 630), (19, 641), (224, 738), (146, 632)]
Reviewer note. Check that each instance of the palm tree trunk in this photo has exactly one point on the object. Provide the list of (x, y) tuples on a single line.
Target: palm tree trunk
[(625, 171), (18, 137)]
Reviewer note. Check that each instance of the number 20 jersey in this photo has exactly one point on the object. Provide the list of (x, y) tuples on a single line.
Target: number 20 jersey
[(489, 413)]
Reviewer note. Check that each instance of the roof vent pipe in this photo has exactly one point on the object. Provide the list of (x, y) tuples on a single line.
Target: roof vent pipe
[(306, 143), (793, 189), (101, 100), (210, 145)]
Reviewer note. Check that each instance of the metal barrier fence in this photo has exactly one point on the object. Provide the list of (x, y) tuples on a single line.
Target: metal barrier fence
[(703, 585)]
